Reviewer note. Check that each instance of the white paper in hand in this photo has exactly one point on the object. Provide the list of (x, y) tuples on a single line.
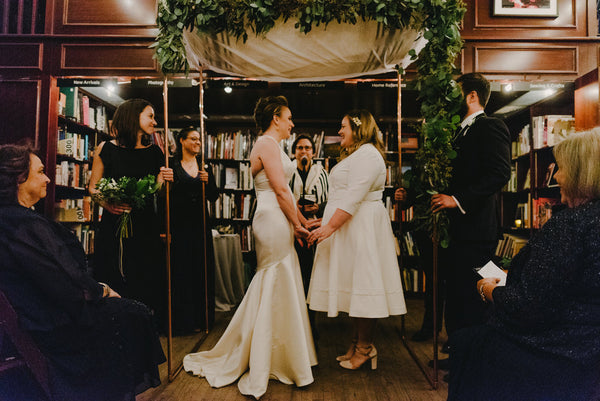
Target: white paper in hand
[(491, 270)]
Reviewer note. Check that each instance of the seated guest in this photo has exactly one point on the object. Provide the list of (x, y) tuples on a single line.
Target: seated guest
[(99, 346), (542, 339)]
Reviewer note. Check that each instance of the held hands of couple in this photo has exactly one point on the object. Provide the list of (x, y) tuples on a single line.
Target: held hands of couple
[(320, 234)]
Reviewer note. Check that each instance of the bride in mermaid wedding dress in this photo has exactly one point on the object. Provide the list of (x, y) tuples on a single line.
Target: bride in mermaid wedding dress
[(269, 336)]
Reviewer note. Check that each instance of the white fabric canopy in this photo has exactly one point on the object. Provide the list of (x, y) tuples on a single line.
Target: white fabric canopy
[(337, 51)]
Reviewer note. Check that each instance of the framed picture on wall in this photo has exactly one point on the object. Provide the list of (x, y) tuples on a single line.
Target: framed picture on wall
[(526, 8)]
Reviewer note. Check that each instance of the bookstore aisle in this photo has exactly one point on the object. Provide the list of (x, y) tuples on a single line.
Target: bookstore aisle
[(397, 377)]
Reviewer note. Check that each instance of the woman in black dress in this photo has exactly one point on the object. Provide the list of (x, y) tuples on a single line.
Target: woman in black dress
[(99, 346), (143, 259), (193, 292)]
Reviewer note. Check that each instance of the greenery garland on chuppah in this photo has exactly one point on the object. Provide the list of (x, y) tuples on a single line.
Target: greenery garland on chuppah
[(439, 95)]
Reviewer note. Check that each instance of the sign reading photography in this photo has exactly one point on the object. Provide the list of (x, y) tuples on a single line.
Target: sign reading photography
[(171, 83)]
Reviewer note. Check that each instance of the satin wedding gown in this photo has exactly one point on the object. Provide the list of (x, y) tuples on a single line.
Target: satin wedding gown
[(269, 335)]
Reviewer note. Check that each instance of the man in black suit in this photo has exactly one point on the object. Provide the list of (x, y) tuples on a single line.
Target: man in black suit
[(479, 171)]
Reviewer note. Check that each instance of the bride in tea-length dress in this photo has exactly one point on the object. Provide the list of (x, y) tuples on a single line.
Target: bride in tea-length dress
[(269, 335)]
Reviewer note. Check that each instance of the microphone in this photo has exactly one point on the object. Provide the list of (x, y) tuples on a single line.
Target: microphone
[(304, 162)]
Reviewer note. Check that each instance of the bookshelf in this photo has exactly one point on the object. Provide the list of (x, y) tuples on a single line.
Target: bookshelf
[(82, 124), (531, 194)]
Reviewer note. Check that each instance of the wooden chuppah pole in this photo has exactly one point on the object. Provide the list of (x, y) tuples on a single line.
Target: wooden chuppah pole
[(204, 226), (171, 374)]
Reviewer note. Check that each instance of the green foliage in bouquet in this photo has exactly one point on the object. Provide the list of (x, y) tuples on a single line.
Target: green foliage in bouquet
[(128, 191)]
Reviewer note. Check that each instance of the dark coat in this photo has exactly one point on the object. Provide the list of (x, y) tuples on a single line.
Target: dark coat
[(479, 171)]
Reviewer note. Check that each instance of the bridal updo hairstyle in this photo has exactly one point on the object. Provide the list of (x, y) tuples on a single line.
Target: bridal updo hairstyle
[(266, 108), (364, 130), (15, 162), (126, 123)]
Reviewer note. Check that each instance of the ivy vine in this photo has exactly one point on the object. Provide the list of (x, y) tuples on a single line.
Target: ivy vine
[(440, 97)]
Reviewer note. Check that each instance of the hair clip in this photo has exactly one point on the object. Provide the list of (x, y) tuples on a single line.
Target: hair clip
[(356, 121)]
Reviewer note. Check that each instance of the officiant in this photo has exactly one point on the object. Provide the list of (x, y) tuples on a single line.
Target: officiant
[(310, 185)]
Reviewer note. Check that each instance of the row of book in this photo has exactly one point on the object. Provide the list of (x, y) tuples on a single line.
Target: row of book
[(510, 245), (86, 235), (232, 206), (74, 145), (229, 177), (229, 145), (71, 174), (392, 208), (536, 215), (392, 175), (544, 131), (408, 245), (413, 280), (73, 103), (158, 138), (74, 210)]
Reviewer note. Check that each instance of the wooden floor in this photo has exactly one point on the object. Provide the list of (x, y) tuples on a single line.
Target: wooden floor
[(397, 378)]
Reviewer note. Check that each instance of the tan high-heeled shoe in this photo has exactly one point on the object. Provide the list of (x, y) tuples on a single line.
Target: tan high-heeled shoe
[(369, 353), (349, 353)]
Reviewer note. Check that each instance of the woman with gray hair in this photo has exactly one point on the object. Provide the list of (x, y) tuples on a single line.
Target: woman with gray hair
[(542, 339)]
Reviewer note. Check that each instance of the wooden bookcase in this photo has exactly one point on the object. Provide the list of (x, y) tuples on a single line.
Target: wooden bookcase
[(82, 124), (528, 200)]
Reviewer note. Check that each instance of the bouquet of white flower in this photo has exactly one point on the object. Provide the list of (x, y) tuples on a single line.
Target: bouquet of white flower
[(130, 191)]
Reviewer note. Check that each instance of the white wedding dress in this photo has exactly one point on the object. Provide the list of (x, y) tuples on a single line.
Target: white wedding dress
[(269, 335), (356, 269)]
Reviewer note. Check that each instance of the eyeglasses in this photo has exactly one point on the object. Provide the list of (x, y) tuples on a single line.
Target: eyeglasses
[(303, 147)]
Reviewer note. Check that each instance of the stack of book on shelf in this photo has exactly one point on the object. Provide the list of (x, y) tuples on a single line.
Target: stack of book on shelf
[(86, 236), (74, 210), (247, 239), (549, 130), (549, 180), (510, 245), (542, 210), (71, 174), (232, 206), (392, 174), (227, 177), (521, 146), (408, 245), (413, 280), (511, 185), (522, 215), (74, 104), (229, 145), (158, 138), (73, 145)]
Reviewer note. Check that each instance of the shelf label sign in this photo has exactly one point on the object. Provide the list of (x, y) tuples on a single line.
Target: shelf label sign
[(366, 85), (236, 84), (158, 83), (313, 85), (84, 82)]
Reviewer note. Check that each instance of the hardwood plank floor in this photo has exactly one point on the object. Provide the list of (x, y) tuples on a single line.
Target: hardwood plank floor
[(397, 377)]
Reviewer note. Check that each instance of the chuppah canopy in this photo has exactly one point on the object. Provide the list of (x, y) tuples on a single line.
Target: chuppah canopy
[(332, 52)]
